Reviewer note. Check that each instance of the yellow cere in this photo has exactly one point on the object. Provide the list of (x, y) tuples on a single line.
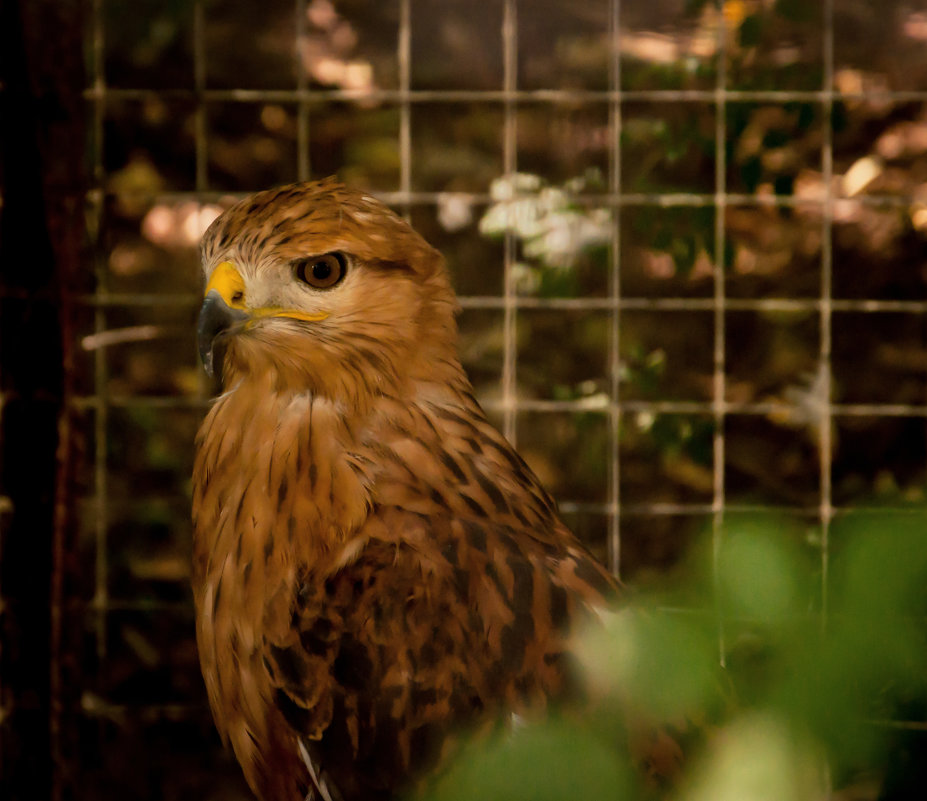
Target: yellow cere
[(227, 281)]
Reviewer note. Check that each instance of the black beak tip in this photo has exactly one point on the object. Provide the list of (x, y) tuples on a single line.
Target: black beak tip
[(216, 317)]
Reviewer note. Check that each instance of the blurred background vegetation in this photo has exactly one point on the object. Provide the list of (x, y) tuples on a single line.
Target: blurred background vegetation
[(710, 220)]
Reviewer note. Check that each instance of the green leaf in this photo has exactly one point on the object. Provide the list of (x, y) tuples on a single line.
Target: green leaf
[(550, 762)]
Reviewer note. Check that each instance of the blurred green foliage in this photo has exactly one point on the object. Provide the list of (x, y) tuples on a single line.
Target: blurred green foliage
[(774, 697), (557, 761)]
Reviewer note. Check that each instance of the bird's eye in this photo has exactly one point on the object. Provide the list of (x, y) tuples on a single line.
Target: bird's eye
[(322, 272)]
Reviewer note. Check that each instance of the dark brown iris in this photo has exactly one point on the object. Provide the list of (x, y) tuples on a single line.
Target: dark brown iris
[(322, 272)]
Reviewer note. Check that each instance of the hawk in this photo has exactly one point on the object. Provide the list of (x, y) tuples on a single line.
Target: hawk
[(375, 569)]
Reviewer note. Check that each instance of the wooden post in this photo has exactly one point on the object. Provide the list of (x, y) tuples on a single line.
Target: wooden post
[(41, 217)]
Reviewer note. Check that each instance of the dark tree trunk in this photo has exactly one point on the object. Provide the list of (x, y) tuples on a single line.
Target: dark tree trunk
[(41, 156)]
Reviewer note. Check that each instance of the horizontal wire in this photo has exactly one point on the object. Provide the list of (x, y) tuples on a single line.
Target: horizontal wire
[(604, 198), (579, 405), (570, 97), (809, 304)]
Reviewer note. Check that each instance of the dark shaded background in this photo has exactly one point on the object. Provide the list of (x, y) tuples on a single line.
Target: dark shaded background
[(127, 126)]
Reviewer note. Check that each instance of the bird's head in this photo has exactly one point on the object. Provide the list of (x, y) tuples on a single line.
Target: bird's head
[(322, 288)]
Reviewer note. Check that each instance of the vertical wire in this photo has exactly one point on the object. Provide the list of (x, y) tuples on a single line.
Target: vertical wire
[(201, 135), (303, 165), (614, 340), (510, 164), (199, 81), (404, 55), (827, 219), (100, 377), (719, 384)]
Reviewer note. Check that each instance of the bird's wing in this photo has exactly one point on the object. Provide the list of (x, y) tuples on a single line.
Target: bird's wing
[(437, 624)]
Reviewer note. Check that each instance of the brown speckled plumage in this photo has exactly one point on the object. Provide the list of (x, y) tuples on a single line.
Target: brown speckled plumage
[(375, 568)]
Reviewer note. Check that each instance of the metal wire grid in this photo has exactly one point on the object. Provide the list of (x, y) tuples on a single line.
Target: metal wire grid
[(719, 408)]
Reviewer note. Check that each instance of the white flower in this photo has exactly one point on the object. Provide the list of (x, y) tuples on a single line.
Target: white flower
[(455, 211), (527, 279), (516, 183)]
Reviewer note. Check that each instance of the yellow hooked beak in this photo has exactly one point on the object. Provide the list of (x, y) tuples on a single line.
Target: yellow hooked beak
[(225, 304)]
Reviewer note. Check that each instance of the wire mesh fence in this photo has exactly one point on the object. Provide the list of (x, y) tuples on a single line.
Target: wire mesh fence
[(688, 240)]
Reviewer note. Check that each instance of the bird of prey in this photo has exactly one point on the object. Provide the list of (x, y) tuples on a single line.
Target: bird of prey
[(376, 570)]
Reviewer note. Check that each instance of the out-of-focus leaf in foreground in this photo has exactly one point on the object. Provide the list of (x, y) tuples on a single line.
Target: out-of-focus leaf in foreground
[(655, 662), (759, 757), (556, 761)]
